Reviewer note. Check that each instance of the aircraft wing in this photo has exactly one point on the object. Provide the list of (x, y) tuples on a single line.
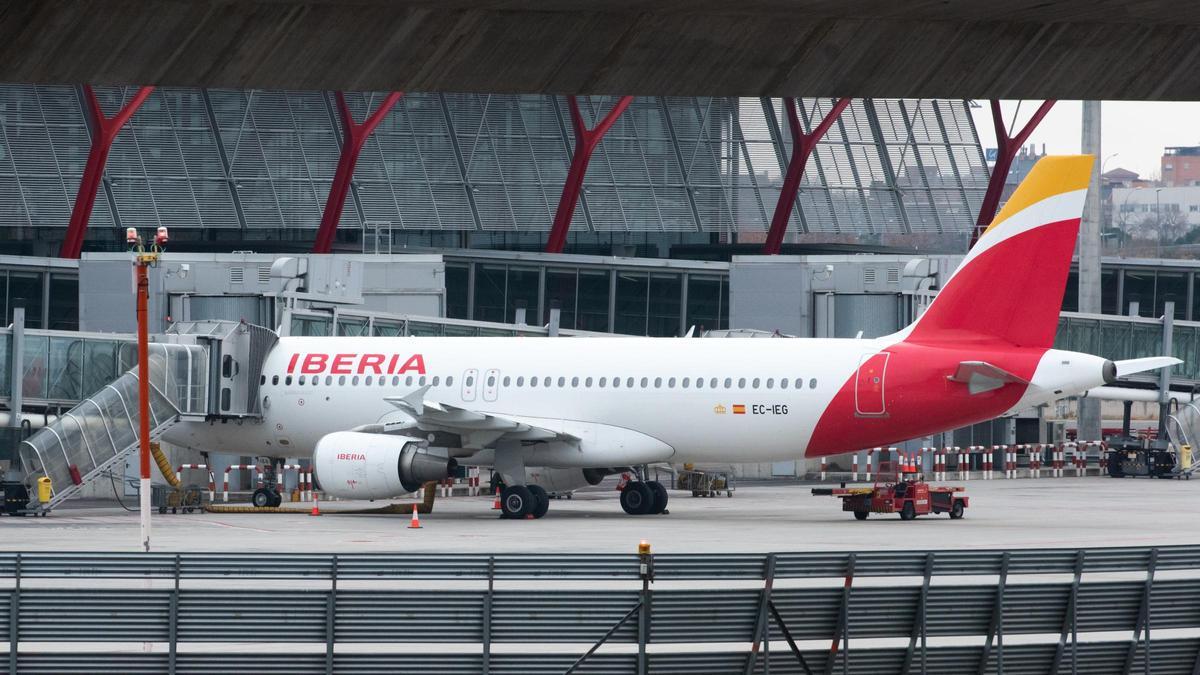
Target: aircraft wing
[(981, 376), (477, 430)]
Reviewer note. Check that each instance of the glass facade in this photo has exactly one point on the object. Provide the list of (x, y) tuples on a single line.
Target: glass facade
[(632, 299), (202, 161)]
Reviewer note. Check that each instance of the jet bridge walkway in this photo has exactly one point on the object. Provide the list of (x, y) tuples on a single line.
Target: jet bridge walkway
[(88, 440)]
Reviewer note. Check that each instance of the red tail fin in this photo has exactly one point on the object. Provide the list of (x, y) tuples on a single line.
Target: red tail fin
[(1010, 286)]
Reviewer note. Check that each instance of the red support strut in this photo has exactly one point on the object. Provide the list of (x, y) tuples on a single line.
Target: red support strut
[(1006, 151), (586, 141), (802, 147), (105, 132), (354, 136)]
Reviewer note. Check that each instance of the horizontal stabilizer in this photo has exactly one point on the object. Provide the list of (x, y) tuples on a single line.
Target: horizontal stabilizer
[(981, 376), (1131, 366)]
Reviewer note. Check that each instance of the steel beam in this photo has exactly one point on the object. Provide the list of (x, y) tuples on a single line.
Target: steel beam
[(105, 130), (802, 147), (1006, 150), (586, 141), (354, 136)]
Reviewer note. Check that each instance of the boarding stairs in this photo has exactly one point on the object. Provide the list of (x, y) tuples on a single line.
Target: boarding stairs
[(90, 439), (1183, 434)]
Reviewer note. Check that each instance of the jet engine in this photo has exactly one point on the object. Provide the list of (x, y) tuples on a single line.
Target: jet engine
[(354, 465)]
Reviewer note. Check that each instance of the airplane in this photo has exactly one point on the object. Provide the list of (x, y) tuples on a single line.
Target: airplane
[(380, 416)]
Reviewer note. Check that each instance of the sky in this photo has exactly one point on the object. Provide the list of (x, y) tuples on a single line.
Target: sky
[(1137, 131)]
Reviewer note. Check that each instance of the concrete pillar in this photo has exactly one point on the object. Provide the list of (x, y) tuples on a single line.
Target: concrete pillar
[(1089, 255)]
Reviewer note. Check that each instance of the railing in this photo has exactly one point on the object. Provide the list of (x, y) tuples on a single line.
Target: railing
[(1020, 611), (1183, 430)]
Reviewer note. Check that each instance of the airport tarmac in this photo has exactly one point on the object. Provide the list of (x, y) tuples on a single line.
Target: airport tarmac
[(1066, 512)]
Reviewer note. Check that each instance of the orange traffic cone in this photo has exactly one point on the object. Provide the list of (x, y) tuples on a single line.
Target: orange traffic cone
[(416, 522), (316, 511), (496, 504)]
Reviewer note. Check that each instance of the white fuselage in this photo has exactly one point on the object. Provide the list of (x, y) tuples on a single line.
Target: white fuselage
[(697, 399)]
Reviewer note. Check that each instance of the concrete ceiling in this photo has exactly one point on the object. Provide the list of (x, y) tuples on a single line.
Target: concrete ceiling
[(1099, 49)]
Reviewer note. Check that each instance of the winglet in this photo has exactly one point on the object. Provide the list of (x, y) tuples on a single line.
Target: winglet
[(414, 400)]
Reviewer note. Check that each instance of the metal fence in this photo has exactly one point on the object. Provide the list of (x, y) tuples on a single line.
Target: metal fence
[(1062, 610)]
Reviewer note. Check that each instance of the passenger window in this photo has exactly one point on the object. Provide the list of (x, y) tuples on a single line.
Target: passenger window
[(671, 383), (395, 380), (755, 383), (645, 382), (587, 382), (262, 380), (603, 380), (382, 381), (629, 383), (770, 383), (741, 383), (616, 383), (812, 384), (657, 382), (302, 380), (562, 381), (507, 380), (274, 379), (328, 380), (783, 383), (521, 381), (408, 381), (449, 380), (470, 380), (491, 381), (574, 381), (728, 382), (686, 381), (420, 382), (354, 381), (546, 382), (699, 382), (341, 380), (436, 378), (533, 381), (288, 380), (370, 380)]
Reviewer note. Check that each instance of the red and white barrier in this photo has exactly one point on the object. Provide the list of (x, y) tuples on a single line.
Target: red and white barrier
[(473, 481), (985, 460), (211, 482), (1056, 466), (939, 464), (225, 484), (854, 467), (824, 466), (870, 456), (1010, 459), (1102, 450)]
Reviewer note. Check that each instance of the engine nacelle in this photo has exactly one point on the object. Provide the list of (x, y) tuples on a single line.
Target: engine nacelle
[(355, 465), (564, 480)]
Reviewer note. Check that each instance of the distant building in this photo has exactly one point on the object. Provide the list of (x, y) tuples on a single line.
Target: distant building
[(1142, 213), (1181, 166), (1021, 166)]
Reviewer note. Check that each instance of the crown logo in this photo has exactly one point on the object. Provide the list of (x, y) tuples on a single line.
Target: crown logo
[(719, 409)]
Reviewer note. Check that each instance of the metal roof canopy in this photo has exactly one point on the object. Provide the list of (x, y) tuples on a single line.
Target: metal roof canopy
[(1088, 49)]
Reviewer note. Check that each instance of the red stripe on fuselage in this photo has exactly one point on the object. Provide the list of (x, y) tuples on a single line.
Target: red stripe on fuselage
[(1009, 295)]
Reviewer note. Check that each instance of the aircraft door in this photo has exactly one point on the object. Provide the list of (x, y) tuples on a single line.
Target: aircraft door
[(491, 384), (469, 384), (869, 385)]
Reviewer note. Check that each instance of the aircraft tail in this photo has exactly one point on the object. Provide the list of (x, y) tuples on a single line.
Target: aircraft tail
[(1010, 286)]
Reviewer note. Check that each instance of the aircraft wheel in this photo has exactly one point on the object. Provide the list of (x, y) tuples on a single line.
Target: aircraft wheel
[(908, 511), (637, 498), (956, 511), (262, 498), (516, 501), (542, 499), (659, 491), (861, 515), (276, 498)]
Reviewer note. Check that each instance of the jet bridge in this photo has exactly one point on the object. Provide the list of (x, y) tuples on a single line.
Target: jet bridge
[(199, 371)]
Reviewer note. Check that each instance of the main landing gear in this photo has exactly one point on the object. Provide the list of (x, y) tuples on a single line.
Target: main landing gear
[(264, 497), (520, 501), (641, 498)]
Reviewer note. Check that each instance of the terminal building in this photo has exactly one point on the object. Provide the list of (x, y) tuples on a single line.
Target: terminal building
[(448, 214)]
